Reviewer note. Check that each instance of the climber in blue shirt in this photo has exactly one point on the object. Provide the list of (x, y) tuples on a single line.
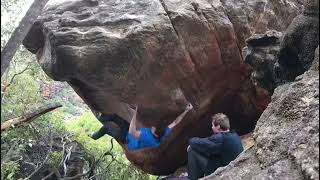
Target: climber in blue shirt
[(150, 137)]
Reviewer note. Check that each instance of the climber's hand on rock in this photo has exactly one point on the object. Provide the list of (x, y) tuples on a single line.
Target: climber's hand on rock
[(189, 107), (135, 108)]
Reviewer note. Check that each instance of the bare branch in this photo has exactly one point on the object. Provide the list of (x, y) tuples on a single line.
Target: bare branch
[(57, 173), (29, 116), (11, 80), (66, 159), (49, 175), (4, 89)]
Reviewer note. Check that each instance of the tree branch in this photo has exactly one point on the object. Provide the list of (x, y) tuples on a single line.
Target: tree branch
[(20, 32), (29, 116), (4, 89), (47, 176)]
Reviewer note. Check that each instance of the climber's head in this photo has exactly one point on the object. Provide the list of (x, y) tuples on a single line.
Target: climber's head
[(158, 131), (220, 123)]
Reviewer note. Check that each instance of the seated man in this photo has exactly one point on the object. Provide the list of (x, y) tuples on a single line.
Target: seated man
[(205, 155), (150, 137)]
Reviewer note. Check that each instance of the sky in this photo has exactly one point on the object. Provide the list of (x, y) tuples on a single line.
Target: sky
[(15, 11), (19, 12)]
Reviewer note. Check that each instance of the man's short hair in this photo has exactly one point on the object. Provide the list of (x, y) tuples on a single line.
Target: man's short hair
[(222, 120)]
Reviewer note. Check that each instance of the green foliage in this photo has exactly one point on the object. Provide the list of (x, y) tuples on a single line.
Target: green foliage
[(18, 98), (55, 159), (120, 168), (9, 170), (22, 95), (52, 122)]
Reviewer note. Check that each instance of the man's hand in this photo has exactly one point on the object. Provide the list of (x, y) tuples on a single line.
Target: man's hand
[(189, 107), (180, 117)]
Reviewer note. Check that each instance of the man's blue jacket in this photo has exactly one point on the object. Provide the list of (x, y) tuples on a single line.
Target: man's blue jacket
[(220, 149)]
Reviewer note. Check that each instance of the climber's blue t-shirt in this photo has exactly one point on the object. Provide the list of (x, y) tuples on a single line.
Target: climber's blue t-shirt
[(146, 139)]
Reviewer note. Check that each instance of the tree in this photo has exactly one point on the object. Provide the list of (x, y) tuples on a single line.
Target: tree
[(20, 32)]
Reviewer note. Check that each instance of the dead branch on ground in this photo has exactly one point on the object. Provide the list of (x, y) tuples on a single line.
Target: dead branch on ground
[(29, 116)]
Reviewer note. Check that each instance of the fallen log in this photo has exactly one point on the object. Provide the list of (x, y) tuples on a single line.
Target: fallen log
[(29, 116)]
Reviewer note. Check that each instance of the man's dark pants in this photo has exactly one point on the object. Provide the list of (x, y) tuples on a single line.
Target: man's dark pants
[(200, 165)]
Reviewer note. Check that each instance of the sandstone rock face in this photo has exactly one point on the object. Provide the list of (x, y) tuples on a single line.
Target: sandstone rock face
[(300, 41), (255, 17), (159, 55), (286, 135)]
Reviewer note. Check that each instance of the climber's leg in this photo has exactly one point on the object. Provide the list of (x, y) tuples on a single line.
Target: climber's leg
[(119, 132), (104, 118), (196, 165), (124, 127), (101, 132), (112, 130)]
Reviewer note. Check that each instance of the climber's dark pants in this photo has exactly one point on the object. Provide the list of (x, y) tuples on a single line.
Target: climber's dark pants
[(119, 133)]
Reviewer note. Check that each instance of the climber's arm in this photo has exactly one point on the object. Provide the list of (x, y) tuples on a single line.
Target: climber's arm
[(181, 116), (133, 128)]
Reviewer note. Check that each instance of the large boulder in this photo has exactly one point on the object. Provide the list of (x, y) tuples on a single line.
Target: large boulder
[(300, 41), (275, 63), (261, 53), (286, 135), (159, 55)]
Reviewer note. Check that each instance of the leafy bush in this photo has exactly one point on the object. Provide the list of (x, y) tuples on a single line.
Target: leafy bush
[(19, 96), (55, 159), (9, 170)]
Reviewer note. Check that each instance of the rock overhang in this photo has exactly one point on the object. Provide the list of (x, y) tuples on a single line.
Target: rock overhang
[(157, 54)]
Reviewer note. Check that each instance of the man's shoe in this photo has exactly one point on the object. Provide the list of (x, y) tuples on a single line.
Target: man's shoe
[(101, 132)]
